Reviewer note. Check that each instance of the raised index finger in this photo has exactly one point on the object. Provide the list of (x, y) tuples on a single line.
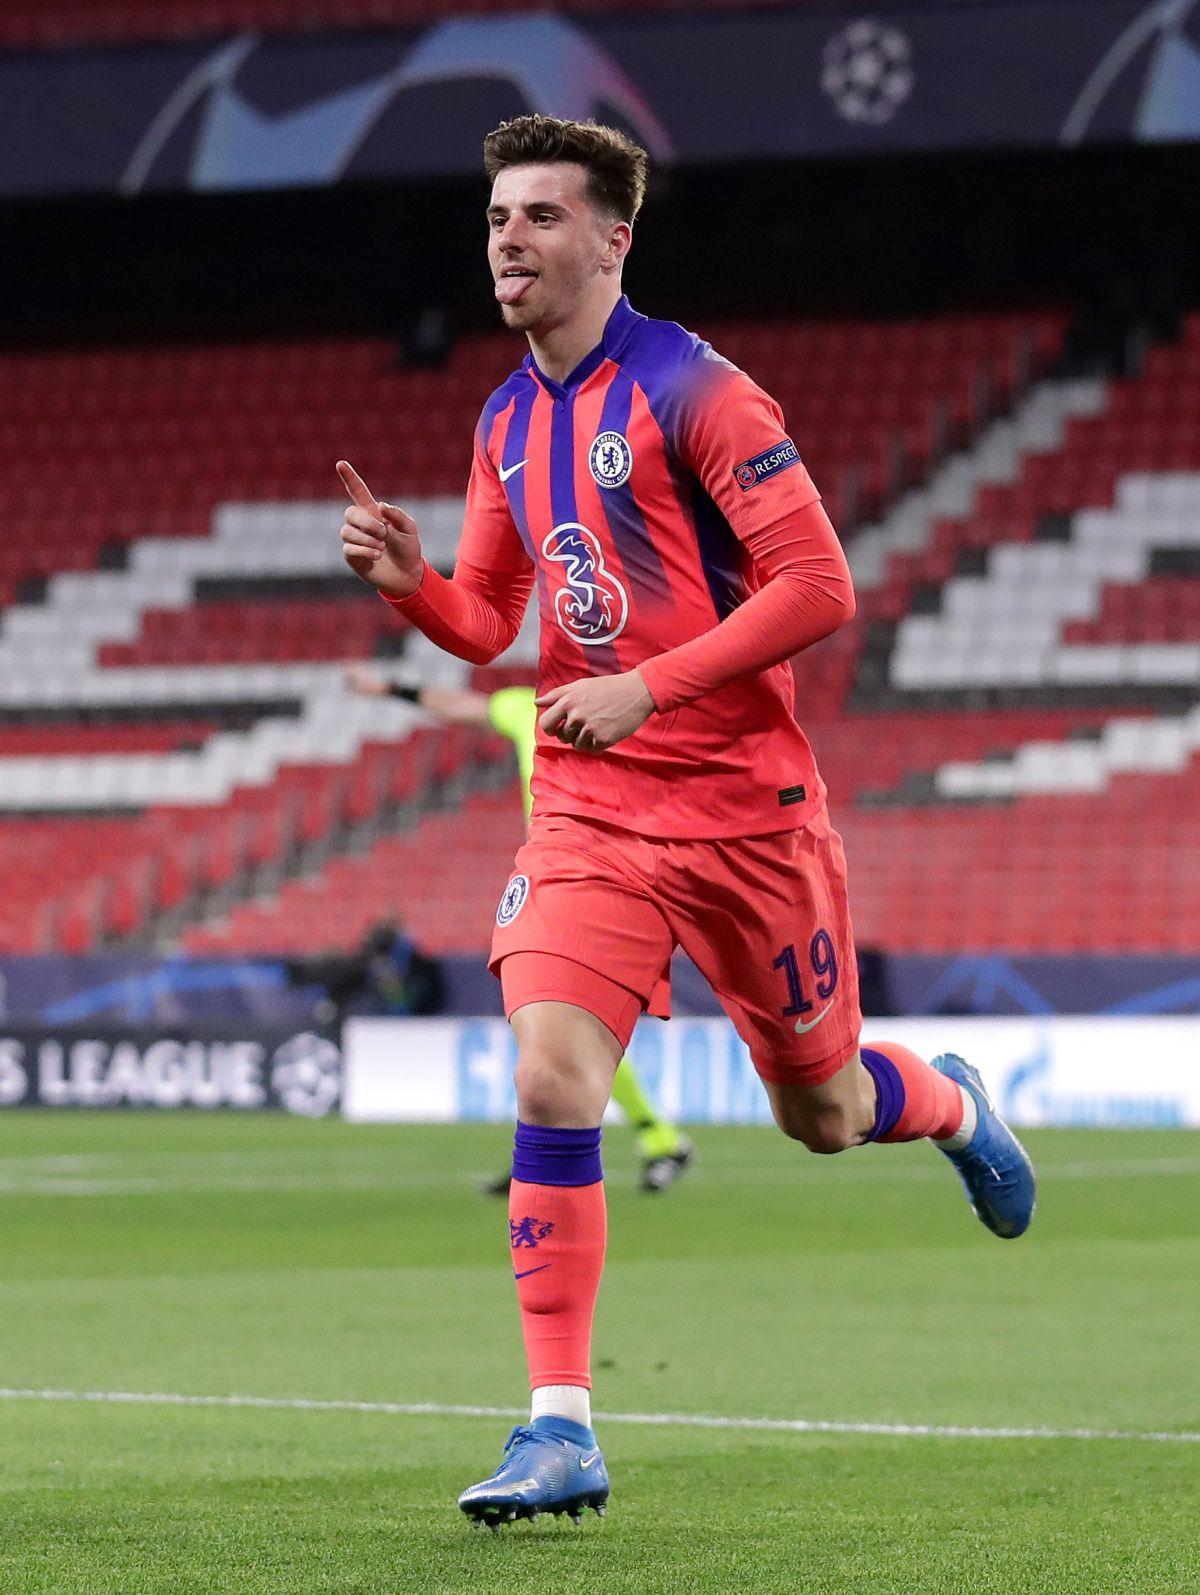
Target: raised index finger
[(358, 490)]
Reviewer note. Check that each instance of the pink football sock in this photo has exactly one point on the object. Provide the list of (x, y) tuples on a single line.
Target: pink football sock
[(914, 1100), (557, 1234)]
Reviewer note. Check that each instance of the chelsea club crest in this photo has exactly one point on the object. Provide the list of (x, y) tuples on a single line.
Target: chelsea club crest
[(611, 460), (513, 900)]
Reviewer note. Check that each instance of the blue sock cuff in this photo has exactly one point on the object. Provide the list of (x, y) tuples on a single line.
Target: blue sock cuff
[(563, 1429), (546, 1156), (889, 1090)]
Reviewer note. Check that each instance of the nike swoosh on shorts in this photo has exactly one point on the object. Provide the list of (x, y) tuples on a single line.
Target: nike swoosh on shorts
[(813, 1023)]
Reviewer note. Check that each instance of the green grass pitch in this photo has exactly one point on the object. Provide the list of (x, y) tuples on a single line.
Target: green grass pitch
[(191, 1255)]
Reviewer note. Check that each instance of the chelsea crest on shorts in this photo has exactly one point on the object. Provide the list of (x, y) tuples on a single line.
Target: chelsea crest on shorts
[(513, 900)]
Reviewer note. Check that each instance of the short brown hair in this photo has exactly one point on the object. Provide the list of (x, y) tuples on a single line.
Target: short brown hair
[(615, 165)]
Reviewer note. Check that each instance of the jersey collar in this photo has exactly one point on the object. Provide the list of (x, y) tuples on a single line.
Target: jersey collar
[(616, 333)]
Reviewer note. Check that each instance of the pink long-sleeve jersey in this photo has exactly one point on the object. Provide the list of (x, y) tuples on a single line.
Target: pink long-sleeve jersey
[(668, 523)]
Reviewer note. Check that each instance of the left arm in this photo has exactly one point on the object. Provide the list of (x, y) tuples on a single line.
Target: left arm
[(779, 519), (807, 595)]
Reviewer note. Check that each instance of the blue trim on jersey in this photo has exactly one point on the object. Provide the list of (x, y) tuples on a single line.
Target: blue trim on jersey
[(521, 393), (496, 404), (640, 558), (721, 555), (514, 449), (623, 322), (670, 364), (562, 390), (616, 331), (562, 461), (563, 507)]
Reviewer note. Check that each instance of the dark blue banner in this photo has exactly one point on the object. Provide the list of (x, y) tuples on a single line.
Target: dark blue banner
[(258, 113), (119, 989)]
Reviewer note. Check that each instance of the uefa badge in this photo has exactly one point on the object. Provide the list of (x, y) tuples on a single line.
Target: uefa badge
[(611, 460), (513, 900)]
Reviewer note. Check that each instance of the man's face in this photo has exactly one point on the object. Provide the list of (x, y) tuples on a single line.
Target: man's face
[(547, 245)]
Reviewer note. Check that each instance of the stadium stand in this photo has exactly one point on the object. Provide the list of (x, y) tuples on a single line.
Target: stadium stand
[(167, 436), (449, 868), (1077, 820), (185, 692)]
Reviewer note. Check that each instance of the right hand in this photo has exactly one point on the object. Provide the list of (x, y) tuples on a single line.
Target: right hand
[(380, 542)]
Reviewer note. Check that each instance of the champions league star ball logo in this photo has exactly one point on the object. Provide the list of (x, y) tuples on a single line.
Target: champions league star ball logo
[(866, 70), (306, 1074), (610, 460)]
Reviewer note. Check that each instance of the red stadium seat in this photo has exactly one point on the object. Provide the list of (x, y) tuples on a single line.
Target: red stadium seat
[(1045, 871)]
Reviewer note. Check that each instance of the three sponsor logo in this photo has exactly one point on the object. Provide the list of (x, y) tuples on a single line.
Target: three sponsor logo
[(593, 606)]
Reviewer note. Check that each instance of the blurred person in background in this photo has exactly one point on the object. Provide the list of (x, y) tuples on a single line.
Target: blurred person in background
[(387, 973), (512, 712)]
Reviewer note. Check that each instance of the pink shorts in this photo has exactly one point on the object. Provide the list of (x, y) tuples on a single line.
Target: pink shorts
[(765, 919)]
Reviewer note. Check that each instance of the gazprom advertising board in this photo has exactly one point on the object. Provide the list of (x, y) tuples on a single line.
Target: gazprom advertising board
[(1140, 1072)]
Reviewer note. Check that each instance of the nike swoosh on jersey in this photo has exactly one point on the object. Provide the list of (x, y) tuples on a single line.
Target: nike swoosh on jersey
[(505, 471), (813, 1023)]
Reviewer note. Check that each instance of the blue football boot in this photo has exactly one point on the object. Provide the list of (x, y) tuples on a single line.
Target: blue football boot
[(551, 1466), (994, 1167)]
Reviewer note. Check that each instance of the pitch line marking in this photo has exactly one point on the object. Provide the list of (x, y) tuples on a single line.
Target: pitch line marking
[(35, 1182), (164, 1185), (652, 1420)]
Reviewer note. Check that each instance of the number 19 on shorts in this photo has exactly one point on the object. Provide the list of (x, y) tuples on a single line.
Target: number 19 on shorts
[(823, 962)]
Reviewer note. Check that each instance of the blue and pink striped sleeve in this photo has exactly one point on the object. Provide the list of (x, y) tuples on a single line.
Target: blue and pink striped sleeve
[(476, 613), (730, 435)]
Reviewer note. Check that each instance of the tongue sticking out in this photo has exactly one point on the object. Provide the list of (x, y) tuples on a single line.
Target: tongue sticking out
[(510, 289)]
